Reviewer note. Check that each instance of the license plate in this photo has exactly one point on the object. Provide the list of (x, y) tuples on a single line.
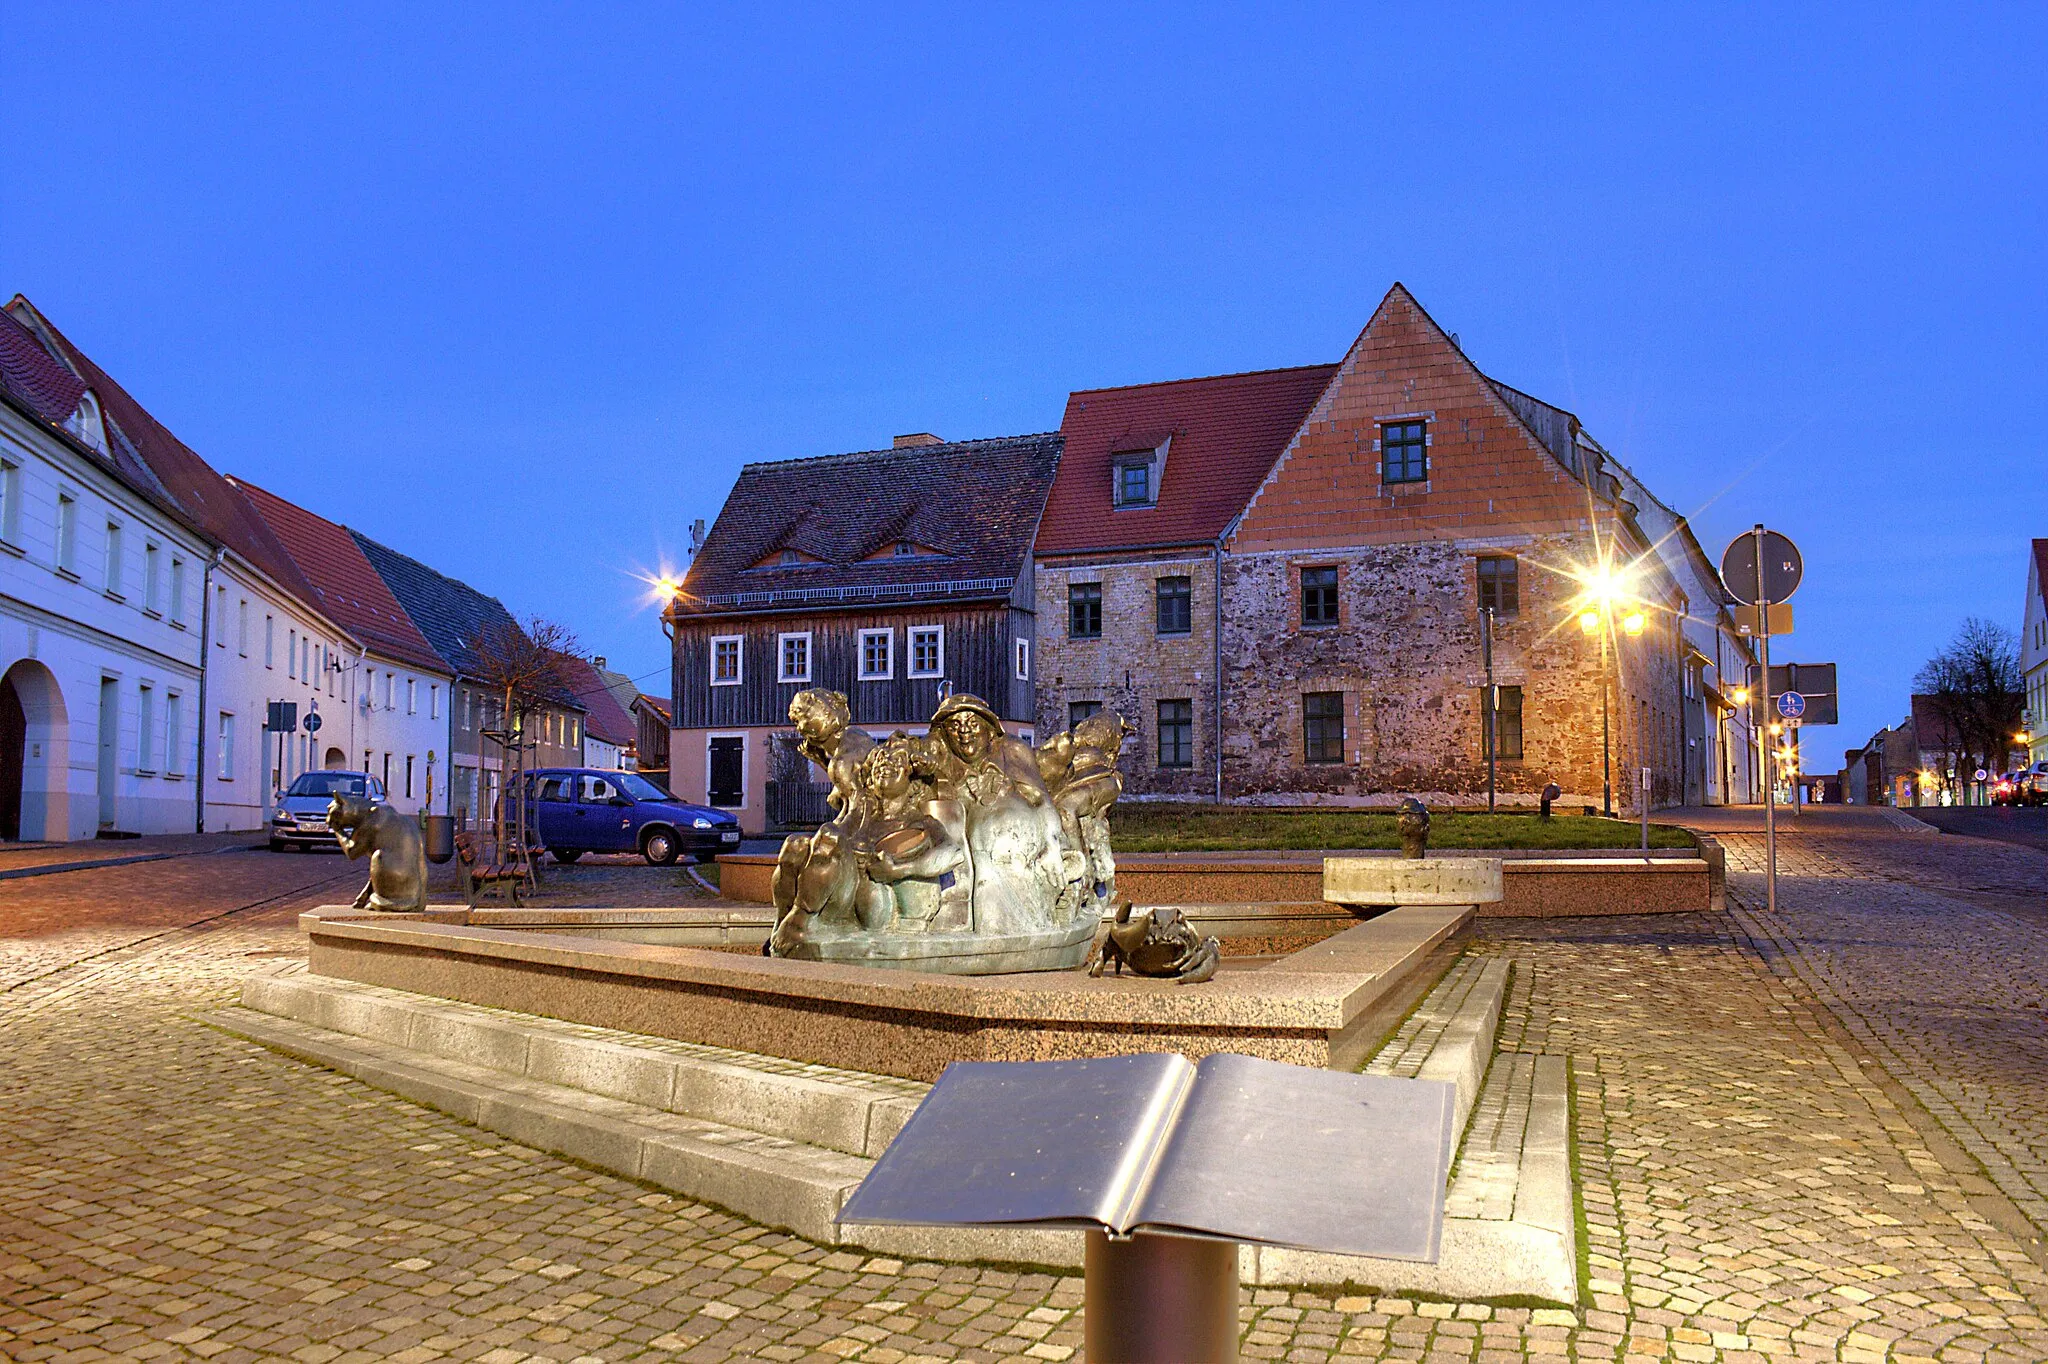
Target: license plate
[(729, 838)]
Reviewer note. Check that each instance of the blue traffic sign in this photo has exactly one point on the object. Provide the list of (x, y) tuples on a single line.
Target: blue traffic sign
[(1791, 705), (312, 722)]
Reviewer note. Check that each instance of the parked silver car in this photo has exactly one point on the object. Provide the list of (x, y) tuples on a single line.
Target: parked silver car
[(301, 818)]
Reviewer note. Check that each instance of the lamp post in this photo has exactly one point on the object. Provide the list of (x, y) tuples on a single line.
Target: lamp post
[(1597, 617)]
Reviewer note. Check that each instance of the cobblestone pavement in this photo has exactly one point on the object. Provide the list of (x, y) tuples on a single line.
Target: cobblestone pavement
[(1759, 1183)]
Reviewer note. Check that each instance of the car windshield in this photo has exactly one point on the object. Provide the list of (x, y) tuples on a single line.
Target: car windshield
[(330, 783), (638, 787)]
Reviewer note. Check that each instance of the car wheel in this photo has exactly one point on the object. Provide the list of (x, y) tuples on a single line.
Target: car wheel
[(659, 847), (566, 855)]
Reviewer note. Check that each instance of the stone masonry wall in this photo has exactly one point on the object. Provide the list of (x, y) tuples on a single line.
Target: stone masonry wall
[(1132, 667), (1406, 656)]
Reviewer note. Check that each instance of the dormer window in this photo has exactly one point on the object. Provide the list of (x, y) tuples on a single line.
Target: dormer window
[(1135, 475), (790, 556), (904, 549), (1134, 484)]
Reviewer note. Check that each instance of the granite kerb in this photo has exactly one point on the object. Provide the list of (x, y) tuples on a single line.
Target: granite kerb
[(1290, 992)]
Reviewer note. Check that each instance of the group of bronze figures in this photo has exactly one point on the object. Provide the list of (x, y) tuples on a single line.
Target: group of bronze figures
[(964, 837)]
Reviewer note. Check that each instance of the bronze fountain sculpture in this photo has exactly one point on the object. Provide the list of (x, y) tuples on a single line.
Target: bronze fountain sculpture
[(398, 859), (960, 850)]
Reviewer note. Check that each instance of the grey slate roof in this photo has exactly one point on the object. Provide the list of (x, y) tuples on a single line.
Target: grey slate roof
[(449, 612), (972, 505)]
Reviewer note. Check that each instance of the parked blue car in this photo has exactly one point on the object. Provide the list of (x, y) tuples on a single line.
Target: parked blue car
[(576, 810), (301, 818)]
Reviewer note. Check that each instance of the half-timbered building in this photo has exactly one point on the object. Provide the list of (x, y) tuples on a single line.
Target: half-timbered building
[(895, 576)]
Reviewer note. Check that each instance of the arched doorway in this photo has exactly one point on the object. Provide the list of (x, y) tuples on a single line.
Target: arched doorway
[(336, 760), (34, 747)]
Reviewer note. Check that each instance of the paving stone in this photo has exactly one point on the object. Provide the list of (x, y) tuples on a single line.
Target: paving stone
[(1808, 1136)]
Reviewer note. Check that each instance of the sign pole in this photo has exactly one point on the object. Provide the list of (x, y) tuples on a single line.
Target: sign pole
[(1152, 1299), (1492, 707), (1763, 733)]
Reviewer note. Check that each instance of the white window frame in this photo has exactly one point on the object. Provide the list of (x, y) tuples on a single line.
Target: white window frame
[(739, 664), (114, 565), (782, 668), (1023, 660), (412, 699), (291, 654), (10, 501), (224, 745), (888, 638), (242, 627), (910, 651), (174, 743), (67, 533), (177, 592), (269, 640), (145, 729), (433, 700)]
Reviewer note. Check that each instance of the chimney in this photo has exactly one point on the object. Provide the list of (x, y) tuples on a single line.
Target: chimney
[(597, 661), (918, 438)]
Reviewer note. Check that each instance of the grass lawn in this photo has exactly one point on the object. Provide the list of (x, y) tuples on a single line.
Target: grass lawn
[(1162, 827)]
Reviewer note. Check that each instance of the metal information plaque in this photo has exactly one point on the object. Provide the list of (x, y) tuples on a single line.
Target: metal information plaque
[(1233, 1148), (1167, 1164)]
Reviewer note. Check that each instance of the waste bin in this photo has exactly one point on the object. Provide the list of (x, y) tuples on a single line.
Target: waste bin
[(438, 831)]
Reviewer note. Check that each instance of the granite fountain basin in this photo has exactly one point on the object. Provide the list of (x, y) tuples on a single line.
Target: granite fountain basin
[(1328, 1003)]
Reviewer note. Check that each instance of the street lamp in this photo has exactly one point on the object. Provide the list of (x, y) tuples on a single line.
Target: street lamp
[(1605, 591)]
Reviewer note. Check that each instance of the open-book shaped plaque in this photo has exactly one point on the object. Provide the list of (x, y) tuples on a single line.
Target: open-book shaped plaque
[(1234, 1148)]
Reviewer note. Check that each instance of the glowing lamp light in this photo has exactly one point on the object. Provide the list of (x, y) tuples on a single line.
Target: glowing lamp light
[(1589, 621), (1632, 623), (667, 589), (1741, 695)]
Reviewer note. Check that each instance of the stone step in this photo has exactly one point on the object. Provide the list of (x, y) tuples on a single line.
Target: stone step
[(785, 1143), (1450, 1035), (793, 1185), (841, 1110)]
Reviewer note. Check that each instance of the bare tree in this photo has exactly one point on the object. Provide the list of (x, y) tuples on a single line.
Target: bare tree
[(527, 664), (1974, 686)]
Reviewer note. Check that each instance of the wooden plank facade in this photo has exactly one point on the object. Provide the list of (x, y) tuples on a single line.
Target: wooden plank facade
[(979, 655)]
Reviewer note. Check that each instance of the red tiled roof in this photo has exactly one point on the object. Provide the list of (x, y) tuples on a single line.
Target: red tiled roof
[(660, 705), (189, 481), (34, 375), (602, 716), (1226, 431), (345, 586)]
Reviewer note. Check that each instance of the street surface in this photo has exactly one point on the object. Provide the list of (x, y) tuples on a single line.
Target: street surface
[(2024, 825), (1815, 1135)]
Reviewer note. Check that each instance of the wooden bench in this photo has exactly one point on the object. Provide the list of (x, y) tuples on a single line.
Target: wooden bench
[(481, 878)]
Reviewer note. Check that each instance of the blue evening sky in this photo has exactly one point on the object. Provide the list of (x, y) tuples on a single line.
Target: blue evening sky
[(516, 290)]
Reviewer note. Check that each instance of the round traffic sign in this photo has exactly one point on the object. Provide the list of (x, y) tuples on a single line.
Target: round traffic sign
[(1791, 705), (1982, 775), (1783, 568), (312, 722)]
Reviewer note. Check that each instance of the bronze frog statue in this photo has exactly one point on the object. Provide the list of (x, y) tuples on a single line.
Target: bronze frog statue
[(1158, 942)]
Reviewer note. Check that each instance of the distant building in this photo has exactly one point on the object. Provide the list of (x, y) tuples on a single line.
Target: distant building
[(651, 716), (391, 719), (894, 576), (2034, 653), (624, 693), (455, 619), (609, 733)]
